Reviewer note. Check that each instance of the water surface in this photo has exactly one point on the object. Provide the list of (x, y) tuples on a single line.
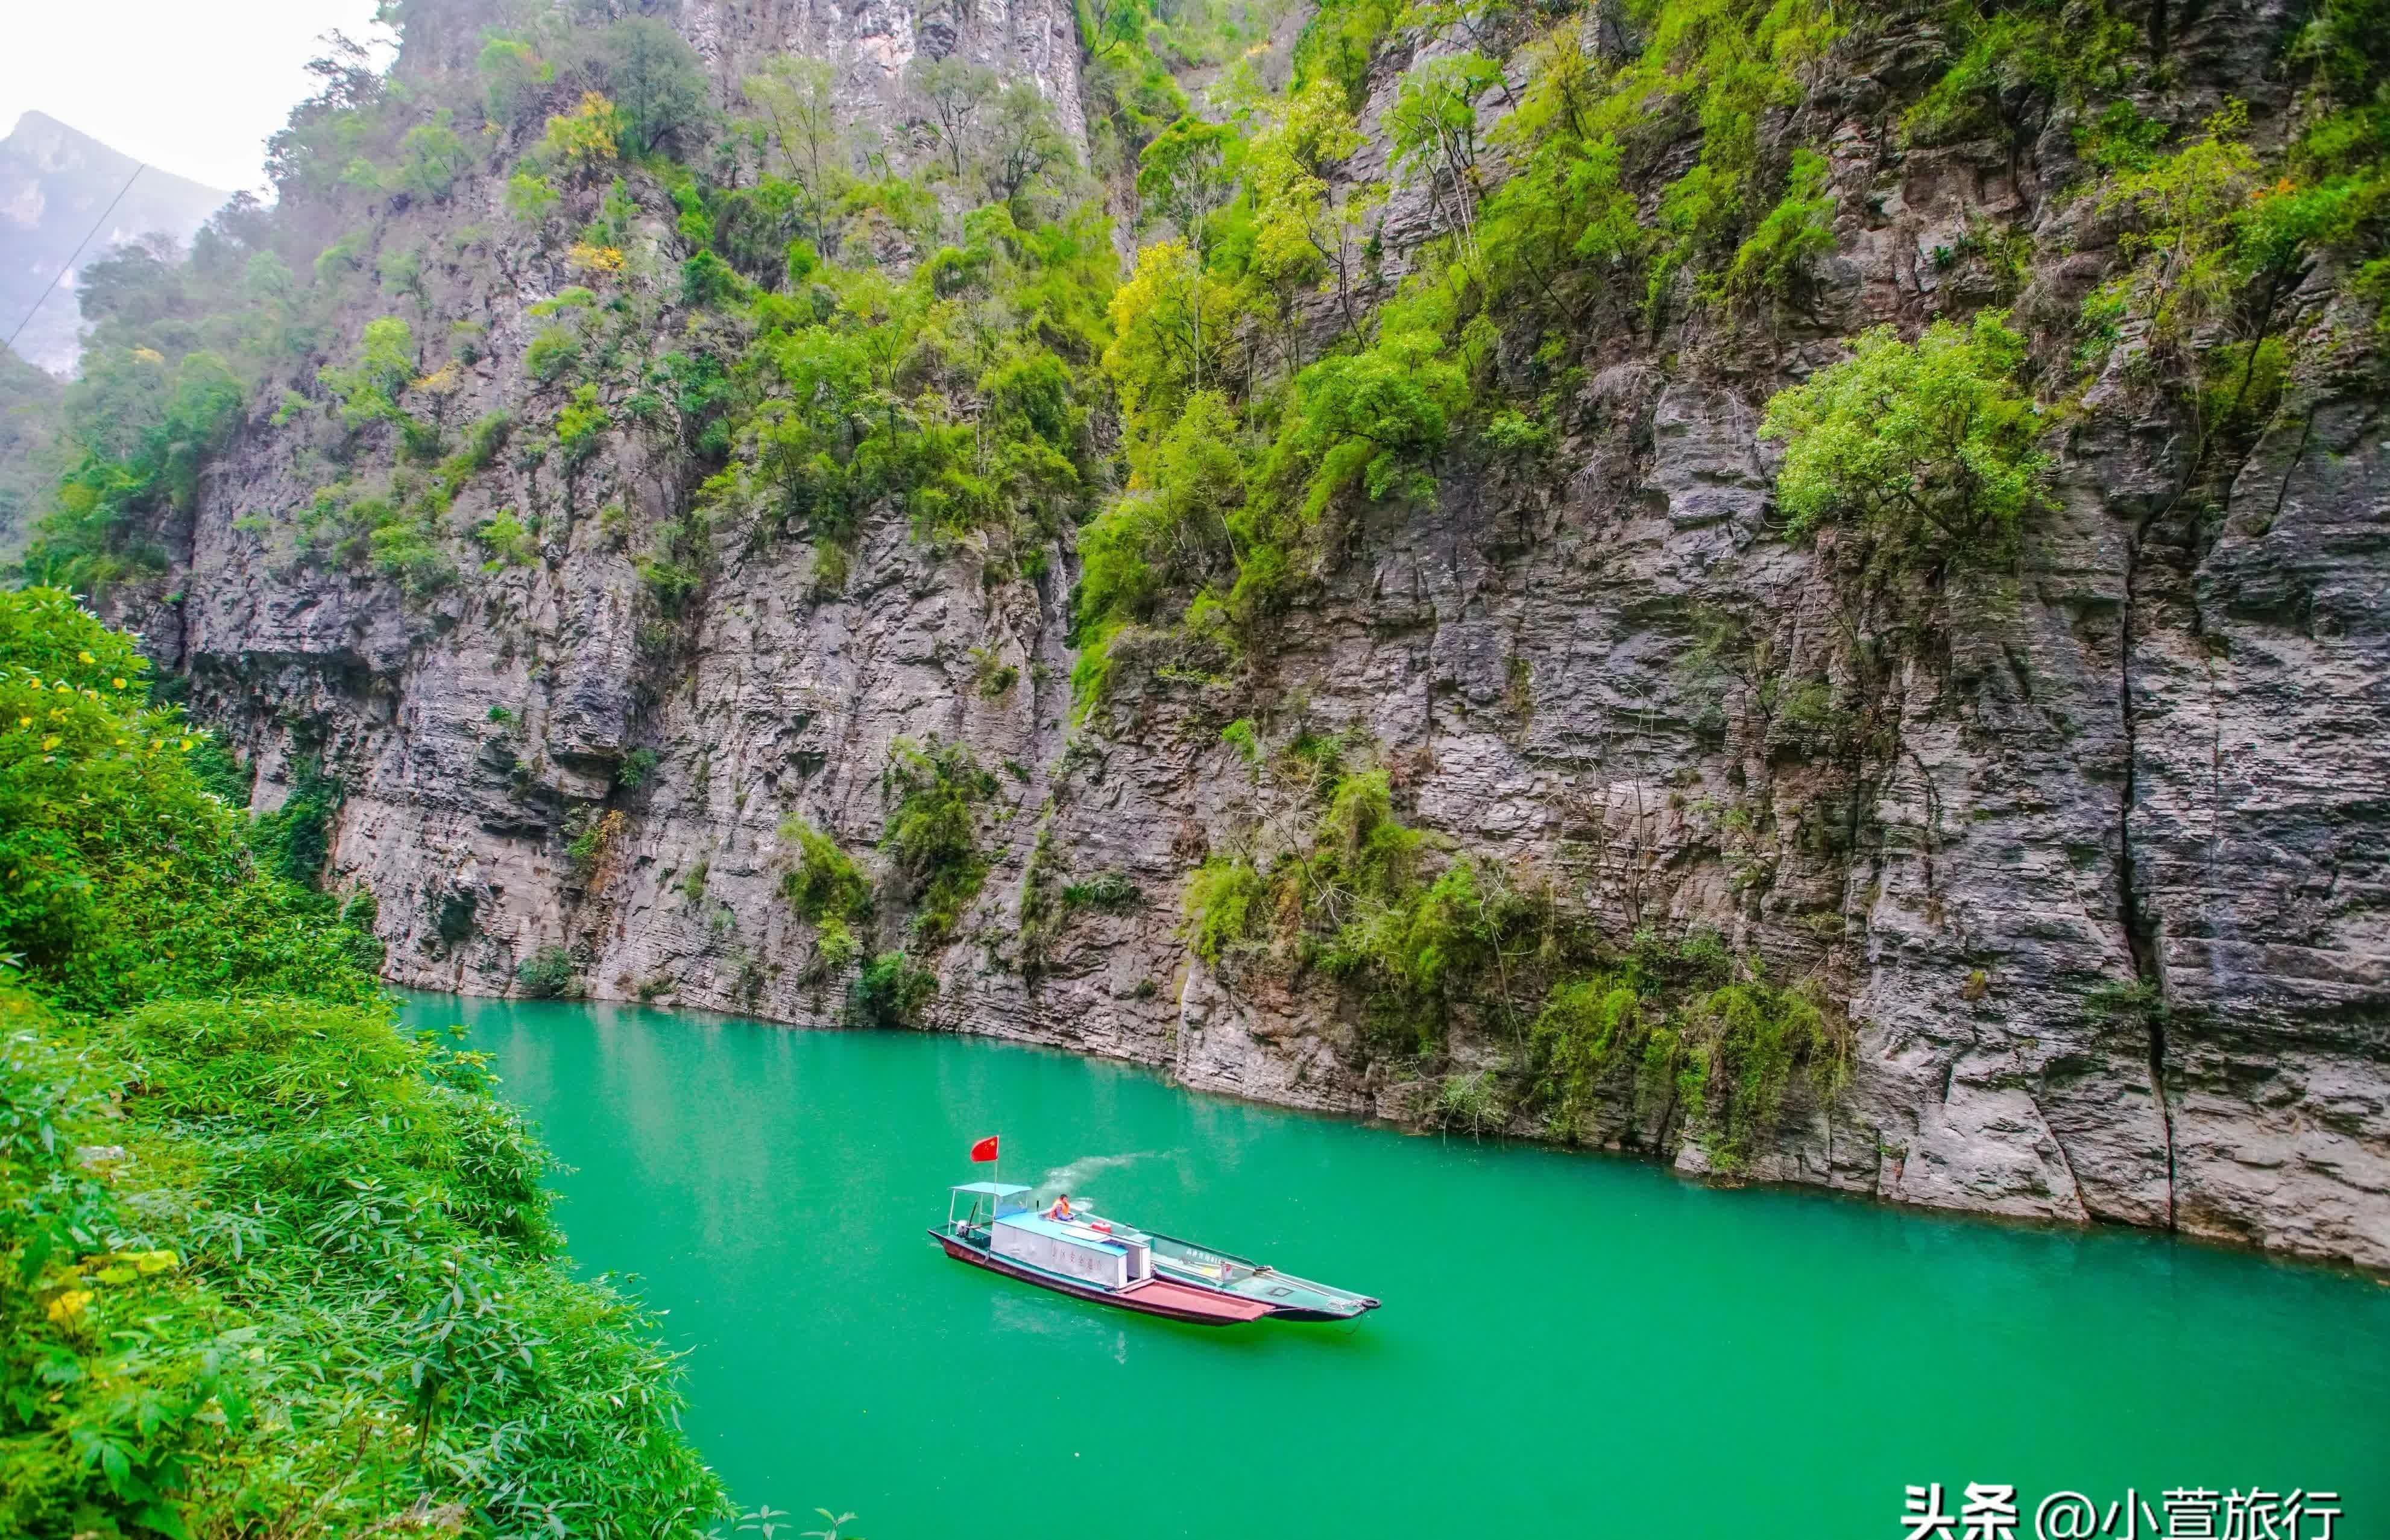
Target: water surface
[(1571, 1345)]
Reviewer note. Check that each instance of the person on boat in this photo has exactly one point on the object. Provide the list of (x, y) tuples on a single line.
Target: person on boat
[(1062, 1209)]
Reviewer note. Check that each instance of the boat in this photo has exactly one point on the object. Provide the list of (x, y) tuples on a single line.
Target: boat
[(1290, 1297), (1084, 1257)]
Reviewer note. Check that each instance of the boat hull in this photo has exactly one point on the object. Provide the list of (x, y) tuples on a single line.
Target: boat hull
[(1162, 1297)]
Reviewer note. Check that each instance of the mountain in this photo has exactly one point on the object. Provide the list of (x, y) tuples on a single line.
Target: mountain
[(54, 184), (1738, 580)]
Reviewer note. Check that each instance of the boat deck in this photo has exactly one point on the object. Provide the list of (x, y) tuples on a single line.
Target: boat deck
[(1154, 1296)]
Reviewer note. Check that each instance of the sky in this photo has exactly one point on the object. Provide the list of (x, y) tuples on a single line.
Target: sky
[(191, 86)]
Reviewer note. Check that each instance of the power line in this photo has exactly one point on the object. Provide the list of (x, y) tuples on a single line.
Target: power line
[(78, 252)]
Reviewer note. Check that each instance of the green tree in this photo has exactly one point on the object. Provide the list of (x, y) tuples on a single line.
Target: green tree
[(515, 82), (368, 390), (1188, 175), (798, 114), (435, 156), (953, 93), (655, 80), (1025, 146), (1434, 125), (1928, 447)]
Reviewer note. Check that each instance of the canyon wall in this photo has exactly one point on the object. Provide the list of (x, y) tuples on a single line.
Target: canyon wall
[(2090, 845)]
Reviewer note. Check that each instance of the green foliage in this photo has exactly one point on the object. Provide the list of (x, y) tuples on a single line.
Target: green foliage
[(515, 82), (367, 391), (581, 427), (637, 768), (1927, 447), (548, 975), (933, 834), (1741, 1045), (435, 156), (890, 992), (1226, 905), (530, 198), (123, 876), (310, 1270), (1339, 43), (1776, 258), (1587, 1029), (2015, 63), (799, 116), (552, 354), (507, 539), (295, 839), (139, 429), (951, 397), (657, 84), (826, 885), (1721, 1059), (1171, 536), (706, 280), (952, 92)]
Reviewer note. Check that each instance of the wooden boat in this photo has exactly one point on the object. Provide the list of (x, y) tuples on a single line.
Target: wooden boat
[(1290, 1297), (1087, 1258)]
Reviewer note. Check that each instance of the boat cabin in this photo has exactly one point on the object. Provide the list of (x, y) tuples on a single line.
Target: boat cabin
[(1001, 1220)]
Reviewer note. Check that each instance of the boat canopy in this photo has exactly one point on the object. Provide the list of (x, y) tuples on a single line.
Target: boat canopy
[(988, 1202)]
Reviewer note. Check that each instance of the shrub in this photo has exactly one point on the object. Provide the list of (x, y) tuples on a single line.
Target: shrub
[(706, 280), (585, 138), (1800, 229), (1587, 1029), (124, 875), (835, 945), (826, 885), (1741, 1045), (506, 539), (581, 427), (321, 1279), (933, 834), (368, 390), (1927, 447), (530, 198), (890, 992), (552, 354), (1227, 902), (294, 841), (548, 975)]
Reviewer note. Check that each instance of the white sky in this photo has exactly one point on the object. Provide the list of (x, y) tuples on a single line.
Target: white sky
[(191, 86)]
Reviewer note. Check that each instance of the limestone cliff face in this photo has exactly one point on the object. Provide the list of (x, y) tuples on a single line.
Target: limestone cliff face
[(2145, 766)]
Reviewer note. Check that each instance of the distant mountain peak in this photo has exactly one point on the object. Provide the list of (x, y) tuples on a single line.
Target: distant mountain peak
[(56, 183)]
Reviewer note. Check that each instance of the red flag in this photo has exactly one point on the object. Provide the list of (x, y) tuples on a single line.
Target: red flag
[(984, 1149)]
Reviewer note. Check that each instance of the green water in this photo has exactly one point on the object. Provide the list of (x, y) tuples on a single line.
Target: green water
[(1571, 1345)]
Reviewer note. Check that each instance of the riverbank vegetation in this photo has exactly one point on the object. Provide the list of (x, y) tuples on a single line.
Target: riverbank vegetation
[(267, 1261), (1580, 1039)]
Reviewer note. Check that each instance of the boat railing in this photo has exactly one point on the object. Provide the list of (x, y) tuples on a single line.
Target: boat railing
[(1230, 1268), (1226, 1265)]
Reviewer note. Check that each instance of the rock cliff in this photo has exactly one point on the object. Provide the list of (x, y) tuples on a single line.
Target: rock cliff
[(2090, 843)]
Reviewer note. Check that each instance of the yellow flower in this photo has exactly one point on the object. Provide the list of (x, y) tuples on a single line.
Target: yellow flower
[(186, 745), (120, 684), (24, 722), (49, 743), (86, 656), (68, 1305)]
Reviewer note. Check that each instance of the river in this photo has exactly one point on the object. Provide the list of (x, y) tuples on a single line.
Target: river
[(1571, 1345)]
